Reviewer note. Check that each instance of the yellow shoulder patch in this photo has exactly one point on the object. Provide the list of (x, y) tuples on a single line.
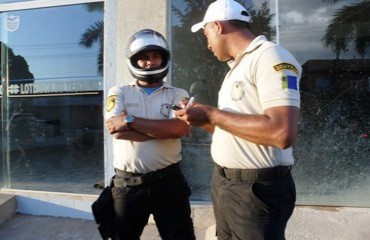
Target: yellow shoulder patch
[(111, 102), (285, 66)]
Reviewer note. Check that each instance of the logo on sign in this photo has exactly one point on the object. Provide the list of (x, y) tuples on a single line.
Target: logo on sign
[(12, 23)]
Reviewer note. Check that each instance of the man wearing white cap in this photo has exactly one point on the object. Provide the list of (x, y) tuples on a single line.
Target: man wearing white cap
[(254, 127)]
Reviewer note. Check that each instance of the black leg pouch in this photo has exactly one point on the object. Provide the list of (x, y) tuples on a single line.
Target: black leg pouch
[(103, 212)]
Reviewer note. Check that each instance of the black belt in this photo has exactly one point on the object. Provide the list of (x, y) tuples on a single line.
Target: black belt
[(261, 174), (123, 179)]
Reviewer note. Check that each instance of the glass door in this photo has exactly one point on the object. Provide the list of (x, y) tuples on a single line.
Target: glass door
[(52, 95)]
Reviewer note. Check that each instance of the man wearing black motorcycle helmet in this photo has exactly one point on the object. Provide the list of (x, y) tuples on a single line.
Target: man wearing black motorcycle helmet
[(147, 145)]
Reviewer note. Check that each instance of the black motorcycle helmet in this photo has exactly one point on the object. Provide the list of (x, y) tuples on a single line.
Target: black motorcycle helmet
[(146, 40)]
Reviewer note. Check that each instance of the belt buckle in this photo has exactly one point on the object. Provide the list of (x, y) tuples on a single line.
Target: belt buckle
[(283, 170), (118, 183), (134, 181), (221, 171)]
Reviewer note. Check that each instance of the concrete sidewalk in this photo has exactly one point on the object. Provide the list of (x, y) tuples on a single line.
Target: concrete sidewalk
[(28, 227), (307, 223), (17, 226)]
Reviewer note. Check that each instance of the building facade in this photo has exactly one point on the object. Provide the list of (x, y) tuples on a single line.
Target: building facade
[(60, 57)]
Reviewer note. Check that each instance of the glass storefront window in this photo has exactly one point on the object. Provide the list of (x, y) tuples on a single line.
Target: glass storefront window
[(52, 95), (200, 73), (331, 43), (13, 1), (44, 2)]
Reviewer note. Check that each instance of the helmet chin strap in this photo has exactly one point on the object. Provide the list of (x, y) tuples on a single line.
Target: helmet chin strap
[(151, 80)]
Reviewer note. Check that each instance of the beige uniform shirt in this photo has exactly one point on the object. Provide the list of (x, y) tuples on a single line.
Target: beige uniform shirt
[(151, 155), (264, 76)]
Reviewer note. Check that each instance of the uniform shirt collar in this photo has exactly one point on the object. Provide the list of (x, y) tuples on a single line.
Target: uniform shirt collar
[(256, 43)]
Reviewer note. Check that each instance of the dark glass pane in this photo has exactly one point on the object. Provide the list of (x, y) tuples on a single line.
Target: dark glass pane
[(199, 72), (331, 41), (14, 1), (332, 154), (53, 112)]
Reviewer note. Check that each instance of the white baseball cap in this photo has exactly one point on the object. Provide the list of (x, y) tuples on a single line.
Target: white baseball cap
[(222, 10)]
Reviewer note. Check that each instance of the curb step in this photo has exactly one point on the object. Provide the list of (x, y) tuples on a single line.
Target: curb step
[(8, 206)]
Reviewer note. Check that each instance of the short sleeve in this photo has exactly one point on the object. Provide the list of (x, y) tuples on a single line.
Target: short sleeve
[(115, 102)]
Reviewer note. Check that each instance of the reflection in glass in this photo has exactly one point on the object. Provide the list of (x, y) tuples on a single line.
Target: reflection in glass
[(53, 121), (331, 41), (332, 151), (22, 132), (349, 27), (201, 74), (14, 1)]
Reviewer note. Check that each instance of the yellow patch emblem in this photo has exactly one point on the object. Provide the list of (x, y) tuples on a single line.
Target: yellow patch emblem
[(111, 102), (285, 66)]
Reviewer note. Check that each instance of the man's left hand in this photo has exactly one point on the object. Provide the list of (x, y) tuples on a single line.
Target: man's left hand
[(195, 115), (117, 124)]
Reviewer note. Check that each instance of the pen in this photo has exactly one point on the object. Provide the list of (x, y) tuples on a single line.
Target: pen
[(189, 102)]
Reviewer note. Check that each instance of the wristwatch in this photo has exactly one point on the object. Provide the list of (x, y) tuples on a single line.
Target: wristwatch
[(129, 119)]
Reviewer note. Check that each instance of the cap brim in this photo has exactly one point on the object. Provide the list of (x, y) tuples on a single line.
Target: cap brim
[(197, 26)]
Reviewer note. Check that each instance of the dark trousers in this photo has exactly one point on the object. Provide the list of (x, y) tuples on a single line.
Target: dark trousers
[(252, 210), (167, 199)]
